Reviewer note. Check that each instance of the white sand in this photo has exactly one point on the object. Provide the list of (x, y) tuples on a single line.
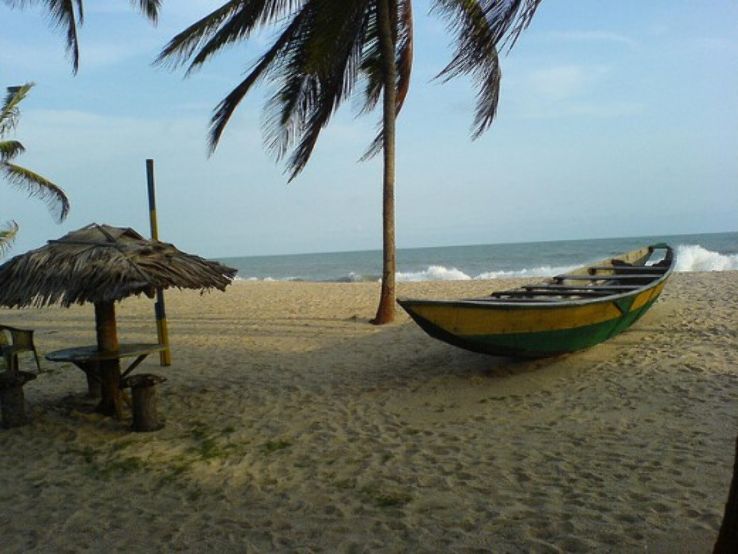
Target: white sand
[(294, 425)]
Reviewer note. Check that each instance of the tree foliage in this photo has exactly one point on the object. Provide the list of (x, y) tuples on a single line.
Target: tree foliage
[(68, 15), (20, 177), (326, 49)]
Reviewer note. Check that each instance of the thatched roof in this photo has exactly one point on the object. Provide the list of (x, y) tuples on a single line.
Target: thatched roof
[(100, 263)]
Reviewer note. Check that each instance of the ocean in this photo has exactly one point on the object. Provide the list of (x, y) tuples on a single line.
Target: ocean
[(703, 252)]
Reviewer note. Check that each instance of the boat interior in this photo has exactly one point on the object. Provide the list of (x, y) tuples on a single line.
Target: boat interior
[(606, 278)]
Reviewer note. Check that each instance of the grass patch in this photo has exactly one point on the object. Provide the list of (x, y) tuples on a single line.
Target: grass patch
[(208, 447), (115, 447), (114, 468), (273, 446), (175, 472), (346, 484), (383, 499)]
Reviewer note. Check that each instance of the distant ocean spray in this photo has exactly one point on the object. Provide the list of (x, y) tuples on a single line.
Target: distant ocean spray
[(704, 252)]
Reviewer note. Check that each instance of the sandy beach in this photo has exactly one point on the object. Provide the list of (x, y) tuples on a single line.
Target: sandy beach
[(293, 425)]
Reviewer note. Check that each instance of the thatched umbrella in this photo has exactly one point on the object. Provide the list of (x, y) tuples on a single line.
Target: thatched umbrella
[(103, 264)]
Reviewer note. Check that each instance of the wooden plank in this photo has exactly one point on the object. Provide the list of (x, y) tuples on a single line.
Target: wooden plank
[(610, 277), (628, 269), (515, 300), (585, 287), (578, 292), (494, 299)]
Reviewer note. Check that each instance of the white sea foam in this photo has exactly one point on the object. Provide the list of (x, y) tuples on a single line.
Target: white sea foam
[(353, 277), (693, 257), (267, 279), (441, 273), (541, 271), (433, 273)]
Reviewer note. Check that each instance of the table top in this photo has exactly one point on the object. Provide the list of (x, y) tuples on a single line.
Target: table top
[(92, 354)]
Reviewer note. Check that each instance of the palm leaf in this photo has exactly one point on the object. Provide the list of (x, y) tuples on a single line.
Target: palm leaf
[(37, 187), (184, 44), (67, 14), (372, 68), (319, 74), (476, 54), (8, 233), (10, 149), (10, 111), (150, 8), (62, 13), (509, 18), (224, 110), (325, 46)]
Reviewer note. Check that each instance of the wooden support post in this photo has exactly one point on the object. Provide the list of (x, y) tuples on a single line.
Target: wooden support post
[(94, 388), (162, 331), (109, 370)]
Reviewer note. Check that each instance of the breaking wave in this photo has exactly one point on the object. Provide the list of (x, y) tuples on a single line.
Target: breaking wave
[(441, 273), (693, 257), (690, 257)]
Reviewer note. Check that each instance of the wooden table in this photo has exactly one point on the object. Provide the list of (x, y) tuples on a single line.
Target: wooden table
[(88, 358)]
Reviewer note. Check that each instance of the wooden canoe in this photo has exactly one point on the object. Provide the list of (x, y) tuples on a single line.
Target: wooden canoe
[(565, 313)]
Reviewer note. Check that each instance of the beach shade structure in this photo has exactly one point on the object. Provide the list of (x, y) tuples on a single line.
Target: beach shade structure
[(102, 264)]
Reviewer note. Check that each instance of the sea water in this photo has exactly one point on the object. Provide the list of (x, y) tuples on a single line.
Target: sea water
[(703, 252)]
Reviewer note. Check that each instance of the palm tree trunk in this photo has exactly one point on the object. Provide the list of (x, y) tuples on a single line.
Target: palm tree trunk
[(386, 309), (727, 541), (109, 370)]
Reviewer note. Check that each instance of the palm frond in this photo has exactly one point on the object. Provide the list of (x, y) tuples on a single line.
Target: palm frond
[(372, 68), (322, 49), (509, 18), (10, 111), (476, 55), (68, 14), (481, 27), (240, 25), (150, 8), (8, 232), (63, 15), (182, 47), (10, 149), (37, 187), (224, 110), (320, 71)]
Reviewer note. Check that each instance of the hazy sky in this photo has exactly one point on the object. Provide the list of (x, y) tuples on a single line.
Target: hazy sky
[(616, 119)]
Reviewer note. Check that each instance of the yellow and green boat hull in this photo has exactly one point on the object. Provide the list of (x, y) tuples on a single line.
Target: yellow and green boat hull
[(531, 330)]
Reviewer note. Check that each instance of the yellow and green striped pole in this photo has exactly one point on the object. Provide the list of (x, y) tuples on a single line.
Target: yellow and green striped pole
[(165, 356)]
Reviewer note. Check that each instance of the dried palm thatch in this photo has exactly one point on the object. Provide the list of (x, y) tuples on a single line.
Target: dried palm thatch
[(100, 263)]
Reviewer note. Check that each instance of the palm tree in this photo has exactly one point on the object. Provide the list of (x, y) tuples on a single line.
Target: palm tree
[(324, 49), (68, 14), (33, 183)]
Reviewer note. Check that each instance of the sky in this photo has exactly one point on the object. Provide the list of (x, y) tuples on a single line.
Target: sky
[(615, 119)]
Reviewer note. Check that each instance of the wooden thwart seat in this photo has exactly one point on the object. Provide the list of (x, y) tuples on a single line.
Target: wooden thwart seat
[(609, 277), (626, 269), (560, 292), (492, 299), (611, 288)]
